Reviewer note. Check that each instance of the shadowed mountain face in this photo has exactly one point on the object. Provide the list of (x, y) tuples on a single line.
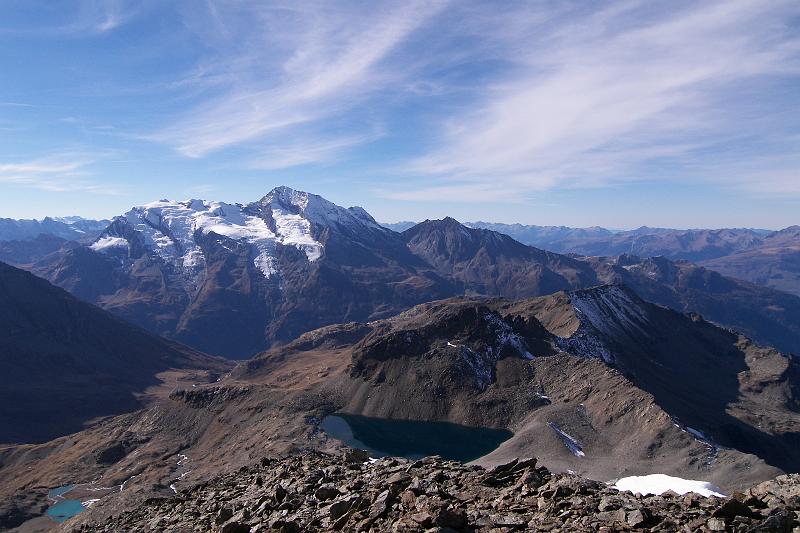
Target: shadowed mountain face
[(66, 361), (236, 279), (27, 252)]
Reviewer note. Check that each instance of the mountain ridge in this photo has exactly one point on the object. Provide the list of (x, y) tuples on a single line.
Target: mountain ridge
[(265, 272)]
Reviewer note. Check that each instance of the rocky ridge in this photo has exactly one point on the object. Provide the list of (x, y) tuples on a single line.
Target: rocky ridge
[(236, 279), (350, 492)]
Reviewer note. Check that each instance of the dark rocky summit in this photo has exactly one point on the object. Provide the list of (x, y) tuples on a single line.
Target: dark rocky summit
[(347, 492)]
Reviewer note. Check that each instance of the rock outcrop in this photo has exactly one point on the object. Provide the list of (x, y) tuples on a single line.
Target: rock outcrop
[(349, 492)]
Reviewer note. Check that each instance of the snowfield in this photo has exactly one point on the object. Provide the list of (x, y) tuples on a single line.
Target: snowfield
[(104, 243), (660, 483), (287, 217)]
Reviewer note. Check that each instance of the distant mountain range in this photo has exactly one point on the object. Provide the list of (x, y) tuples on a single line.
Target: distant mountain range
[(68, 228), (769, 258), (235, 279), (693, 244), (774, 262), (763, 257)]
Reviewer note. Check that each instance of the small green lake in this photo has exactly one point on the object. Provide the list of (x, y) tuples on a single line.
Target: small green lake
[(412, 439)]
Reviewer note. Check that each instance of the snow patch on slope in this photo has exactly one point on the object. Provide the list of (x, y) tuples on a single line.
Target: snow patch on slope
[(506, 336), (105, 243), (569, 441), (294, 230), (482, 362), (660, 483), (608, 309), (481, 365), (604, 313)]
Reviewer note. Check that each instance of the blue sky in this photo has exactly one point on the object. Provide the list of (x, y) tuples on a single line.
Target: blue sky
[(680, 114)]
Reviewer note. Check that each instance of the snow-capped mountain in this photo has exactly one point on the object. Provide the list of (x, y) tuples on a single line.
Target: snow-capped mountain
[(174, 231), (231, 279)]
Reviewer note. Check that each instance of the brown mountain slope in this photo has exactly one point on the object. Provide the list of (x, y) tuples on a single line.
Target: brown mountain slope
[(224, 279), (66, 361), (485, 262), (591, 380), (717, 382), (774, 263)]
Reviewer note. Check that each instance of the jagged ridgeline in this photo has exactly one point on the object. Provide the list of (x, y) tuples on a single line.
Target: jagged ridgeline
[(235, 279)]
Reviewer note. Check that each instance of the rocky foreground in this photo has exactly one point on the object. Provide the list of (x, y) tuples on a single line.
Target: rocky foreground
[(319, 492)]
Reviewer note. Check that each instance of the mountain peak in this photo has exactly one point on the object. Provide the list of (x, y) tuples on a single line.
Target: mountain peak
[(447, 222), (316, 209), (170, 230), (290, 197)]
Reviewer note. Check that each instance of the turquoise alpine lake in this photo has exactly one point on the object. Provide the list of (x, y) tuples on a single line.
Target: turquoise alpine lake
[(412, 439), (63, 509)]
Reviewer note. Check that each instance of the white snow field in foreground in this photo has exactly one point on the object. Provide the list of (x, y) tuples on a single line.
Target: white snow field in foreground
[(660, 483)]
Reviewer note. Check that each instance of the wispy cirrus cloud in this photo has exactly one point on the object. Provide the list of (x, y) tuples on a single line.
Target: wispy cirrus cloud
[(595, 96), (309, 150), (535, 96), (286, 65), (55, 173), (73, 17), (458, 192)]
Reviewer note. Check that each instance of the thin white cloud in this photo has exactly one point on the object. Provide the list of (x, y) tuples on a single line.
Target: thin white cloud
[(598, 95), (298, 63), (308, 150), (80, 17), (54, 173)]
